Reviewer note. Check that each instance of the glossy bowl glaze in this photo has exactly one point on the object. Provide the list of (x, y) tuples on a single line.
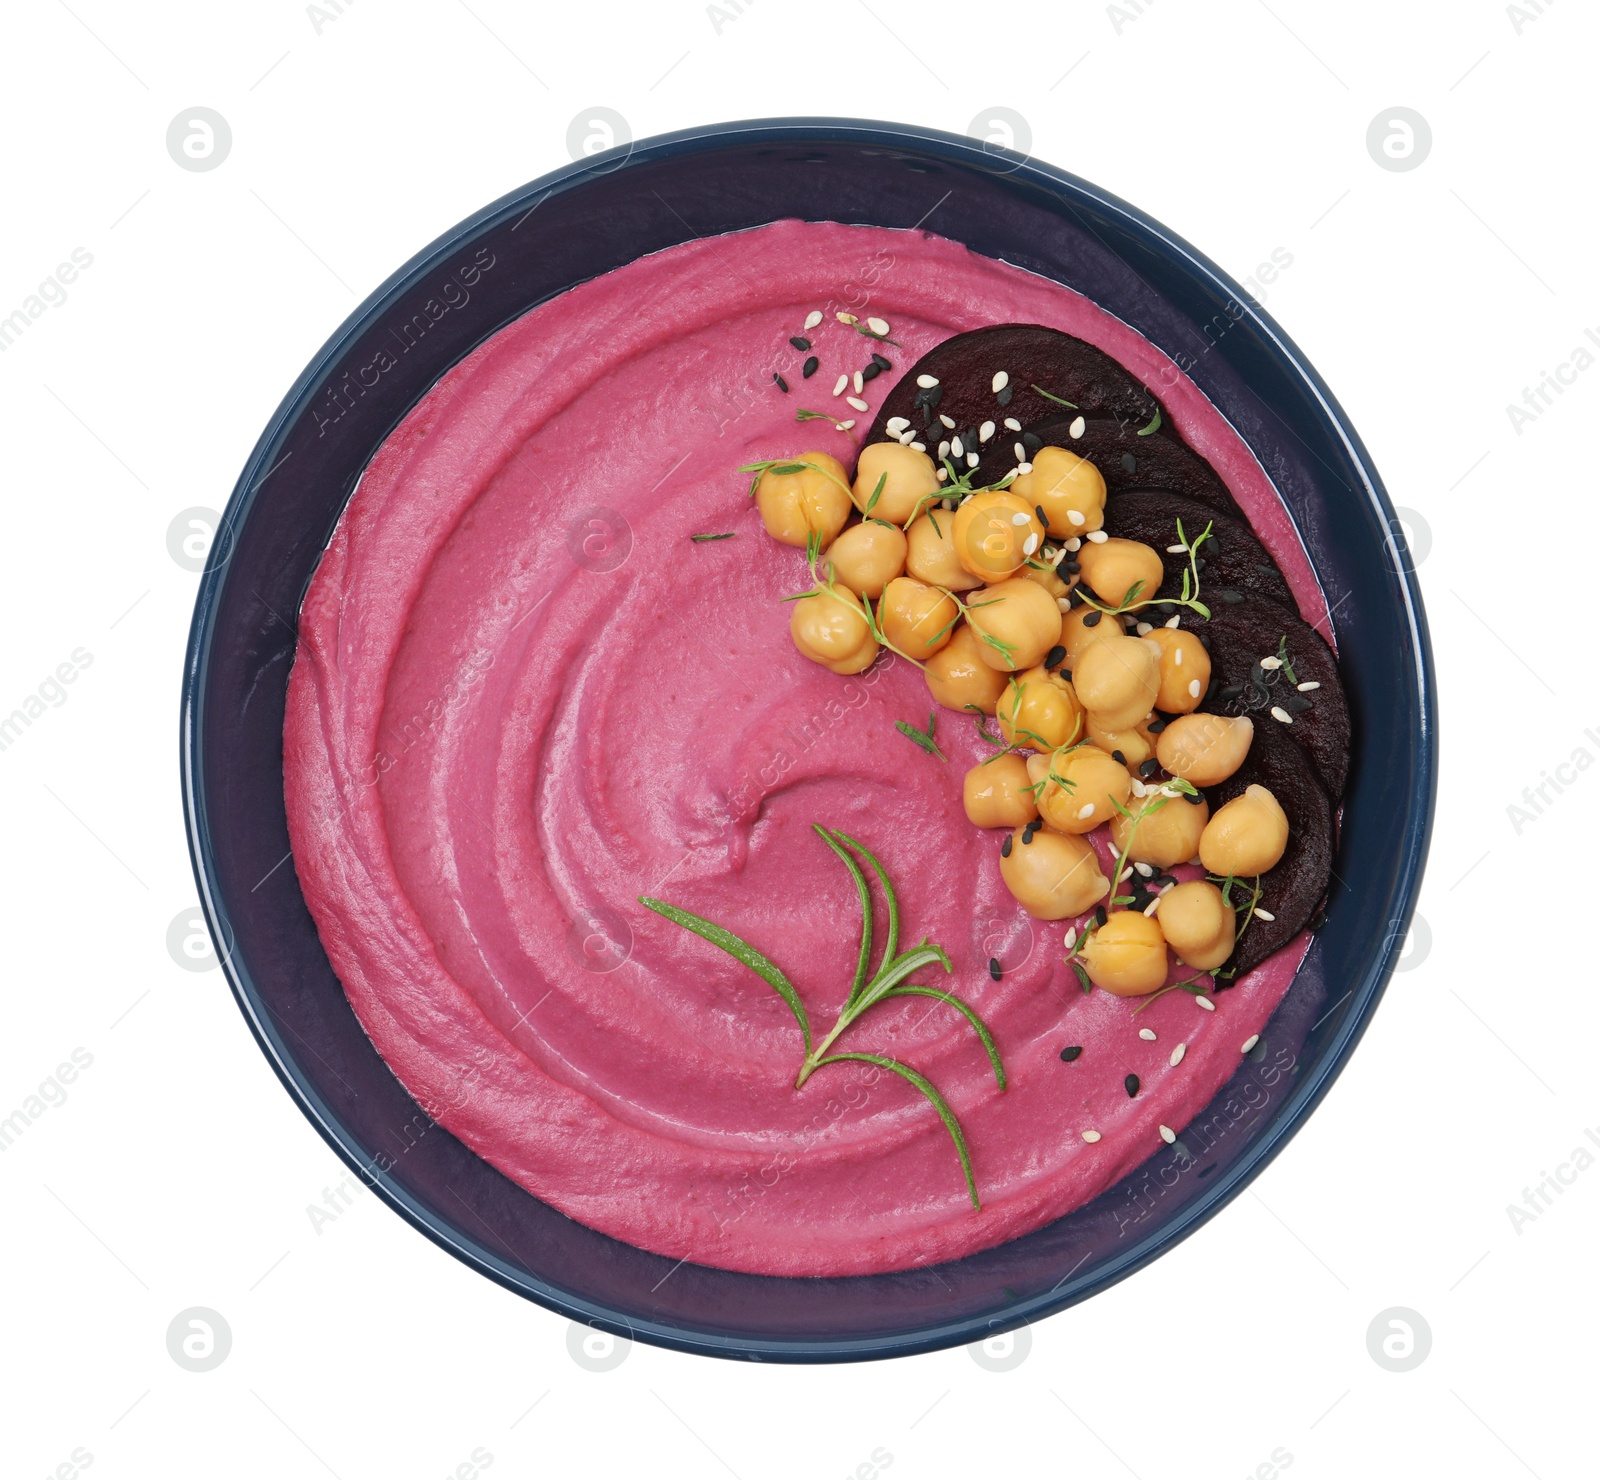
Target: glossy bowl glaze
[(585, 220)]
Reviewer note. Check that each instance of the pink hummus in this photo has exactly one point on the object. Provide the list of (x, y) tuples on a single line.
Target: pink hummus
[(523, 697)]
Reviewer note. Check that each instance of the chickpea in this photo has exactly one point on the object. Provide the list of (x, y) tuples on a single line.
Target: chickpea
[(915, 618), (931, 553), (995, 793), (816, 499), (994, 533), (1166, 837), (1118, 679), (1054, 877), (958, 676), (909, 478), (1046, 577), (1247, 836), (1084, 625), (1096, 787), (1127, 955), (1021, 620), (1205, 748), (1185, 670), (1198, 923), (833, 632), (1113, 568), (1039, 709), (1064, 484), (1133, 744), (867, 556)]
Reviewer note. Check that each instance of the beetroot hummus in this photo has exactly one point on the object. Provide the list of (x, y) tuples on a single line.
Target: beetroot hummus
[(524, 697)]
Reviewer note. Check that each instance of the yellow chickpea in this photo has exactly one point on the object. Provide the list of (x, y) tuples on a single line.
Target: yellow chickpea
[(1040, 710), (867, 556), (915, 618), (1095, 787), (1117, 680), (1133, 743), (1185, 670), (1054, 877), (1205, 748), (1164, 838), (1127, 955), (1084, 625), (816, 499), (1017, 624), (1113, 568), (1198, 923), (1064, 485), (832, 632), (909, 480), (994, 533), (931, 553), (995, 793), (958, 677), (1247, 836)]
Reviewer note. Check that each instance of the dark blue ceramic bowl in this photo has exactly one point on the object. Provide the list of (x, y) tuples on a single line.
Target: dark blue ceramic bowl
[(573, 225)]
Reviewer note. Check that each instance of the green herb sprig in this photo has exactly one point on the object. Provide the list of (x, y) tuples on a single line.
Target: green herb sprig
[(867, 989), (1070, 405), (921, 738), (1189, 596)]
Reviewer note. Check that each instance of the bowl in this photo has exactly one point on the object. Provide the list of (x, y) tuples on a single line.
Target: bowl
[(599, 214)]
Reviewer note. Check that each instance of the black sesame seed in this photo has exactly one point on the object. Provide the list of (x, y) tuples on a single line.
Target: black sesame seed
[(1150, 767), (1231, 692), (1032, 441), (870, 372), (1157, 725), (1167, 608), (1003, 395), (1205, 641), (1093, 619), (1075, 597), (1069, 1053), (809, 369), (1229, 597), (994, 968), (782, 384), (1318, 920), (1296, 703), (1131, 1084), (1200, 566), (1005, 847), (1267, 570), (800, 343), (1099, 914), (1119, 757), (1128, 464), (1070, 566), (881, 363), (1044, 518), (1194, 797), (1055, 657)]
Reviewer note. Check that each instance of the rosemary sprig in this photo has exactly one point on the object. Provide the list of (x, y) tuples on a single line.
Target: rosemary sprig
[(891, 979), (1071, 405), (921, 738), (706, 539)]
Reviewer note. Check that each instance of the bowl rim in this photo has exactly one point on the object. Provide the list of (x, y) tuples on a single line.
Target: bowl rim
[(1306, 1095)]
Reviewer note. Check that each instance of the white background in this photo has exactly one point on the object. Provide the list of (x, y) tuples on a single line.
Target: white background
[(177, 1173)]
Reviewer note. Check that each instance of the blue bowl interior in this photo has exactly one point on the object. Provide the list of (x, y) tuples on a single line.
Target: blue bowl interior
[(583, 221)]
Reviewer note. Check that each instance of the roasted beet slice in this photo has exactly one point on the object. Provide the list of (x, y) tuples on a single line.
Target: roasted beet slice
[(1239, 637), (1237, 567), (1293, 889), (1126, 460), (965, 366)]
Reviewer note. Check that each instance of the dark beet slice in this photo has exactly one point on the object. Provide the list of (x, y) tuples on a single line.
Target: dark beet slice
[(1239, 637), (1292, 890), (1236, 563), (1030, 354), (1126, 460)]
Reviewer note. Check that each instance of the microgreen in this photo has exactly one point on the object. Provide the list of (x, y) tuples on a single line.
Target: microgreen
[(706, 539), (803, 415), (1071, 405), (1154, 425), (877, 493), (781, 467), (1189, 595), (1284, 664), (891, 979), (923, 739), (861, 328)]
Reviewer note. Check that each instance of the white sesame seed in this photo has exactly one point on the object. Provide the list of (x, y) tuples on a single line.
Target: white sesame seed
[(1206, 1003), (1074, 544), (1143, 870), (1058, 556), (1148, 1034), (1176, 1056), (1282, 715), (943, 474), (840, 384), (947, 503), (1138, 788), (1000, 382), (1019, 452), (812, 319), (1098, 536), (1172, 622), (1024, 467), (1086, 810), (986, 431), (946, 422), (1150, 908), (896, 424), (1076, 429), (944, 450), (878, 326), (927, 382), (844, 426), (1177, 549), (1030, 544), (919, 446), (1194, 688), (908, 437), (1019, 518), (857, 384), (1124, 876), (1070, 937), (1144, 629), (845, 318), (1272, 663), (857, 402), (1062, 604), (1075, 518), (972, 459), (958, 449), (1306, 688), (1177, 657), (1250, 1043), (1091, 1136), (1262, 914), (1011, 424), (1167, 1134)]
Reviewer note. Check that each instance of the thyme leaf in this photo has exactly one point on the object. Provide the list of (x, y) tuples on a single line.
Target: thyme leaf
[(920, 738)]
